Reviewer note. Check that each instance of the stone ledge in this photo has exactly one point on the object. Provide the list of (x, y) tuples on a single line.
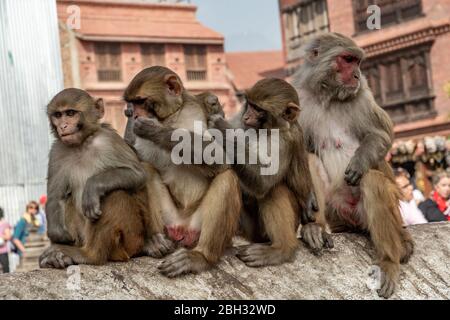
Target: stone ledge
[(340, 273)]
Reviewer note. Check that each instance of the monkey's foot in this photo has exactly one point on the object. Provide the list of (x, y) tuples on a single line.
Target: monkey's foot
[(315, 238), (260, 255), (182, 262), (388, 279), (158, 246), (55, 258), (186, 237), (408, 250)]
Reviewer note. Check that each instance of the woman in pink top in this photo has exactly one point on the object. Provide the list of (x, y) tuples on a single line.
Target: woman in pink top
[(5, 236)]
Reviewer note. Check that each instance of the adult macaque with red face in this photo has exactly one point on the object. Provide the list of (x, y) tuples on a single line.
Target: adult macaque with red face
[(351, 135)]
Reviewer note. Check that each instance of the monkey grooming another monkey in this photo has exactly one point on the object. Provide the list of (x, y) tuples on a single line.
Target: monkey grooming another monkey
[(274, 203), (199, 205), (351, 135), (97, 207)]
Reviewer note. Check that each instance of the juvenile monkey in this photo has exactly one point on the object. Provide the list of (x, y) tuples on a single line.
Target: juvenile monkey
[(97, 207), (199, 205), (351, 136), (274, 203)]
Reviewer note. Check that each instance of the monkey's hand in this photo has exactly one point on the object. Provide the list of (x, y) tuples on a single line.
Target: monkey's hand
[(90, 202), (158, 246), (213, 105), (316, 238), (356, 169), (146, 128), (60, 235), (182, 262), (213, 119), (53, 257), (312, 207)]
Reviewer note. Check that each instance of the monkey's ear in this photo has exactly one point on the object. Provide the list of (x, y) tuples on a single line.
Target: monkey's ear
[(100, 108), (291, 112), (173, 84)]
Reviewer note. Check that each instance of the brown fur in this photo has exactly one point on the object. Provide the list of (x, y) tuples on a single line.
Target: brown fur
[(351, 135), (198, 202), (97, 167)]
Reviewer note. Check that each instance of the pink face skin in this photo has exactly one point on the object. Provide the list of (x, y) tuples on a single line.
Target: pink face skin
[(405, 187), (66, 121), (347, 66), (443, 188), (140, 111), (254, 116)]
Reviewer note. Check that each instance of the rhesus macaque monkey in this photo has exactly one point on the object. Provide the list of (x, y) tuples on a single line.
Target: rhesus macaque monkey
[(97, 207), (351, 135), (199, 206), (273, 203)]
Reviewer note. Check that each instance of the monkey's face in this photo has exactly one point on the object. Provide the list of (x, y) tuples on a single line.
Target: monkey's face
[(254, 117), (348, 73), (151, 94), (67, 123)]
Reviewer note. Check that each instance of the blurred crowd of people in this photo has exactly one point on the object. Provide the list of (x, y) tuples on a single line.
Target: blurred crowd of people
[(415, 208), (13, 239), (423, 167)]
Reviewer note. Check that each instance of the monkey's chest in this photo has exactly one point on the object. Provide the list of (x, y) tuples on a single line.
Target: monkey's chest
[(336, 149)]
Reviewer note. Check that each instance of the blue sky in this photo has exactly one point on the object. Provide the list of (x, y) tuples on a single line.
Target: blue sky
[(247, 25)]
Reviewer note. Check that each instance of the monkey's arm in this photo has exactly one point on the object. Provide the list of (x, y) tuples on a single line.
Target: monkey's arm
[(300, 182), (374, 145), (129, 135), (249, 174), (57, 190), (123, 178), (163, 137)]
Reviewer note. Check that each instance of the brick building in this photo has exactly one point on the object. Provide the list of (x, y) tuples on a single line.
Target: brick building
[(246, 68), (407, 60), (116, 39)]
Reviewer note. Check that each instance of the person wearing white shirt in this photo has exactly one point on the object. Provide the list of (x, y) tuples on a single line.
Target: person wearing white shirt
[(411, 214)]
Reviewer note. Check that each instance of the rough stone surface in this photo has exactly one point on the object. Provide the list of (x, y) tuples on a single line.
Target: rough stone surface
[(340, 273)]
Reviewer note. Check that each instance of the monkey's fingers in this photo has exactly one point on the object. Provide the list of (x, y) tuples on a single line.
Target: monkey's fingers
[(158, 246), (182, 262), (387, 286), (329, 243)]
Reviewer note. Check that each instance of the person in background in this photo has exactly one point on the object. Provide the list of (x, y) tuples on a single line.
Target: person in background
[(408, 207), (437, 207), (21, 231), (41, 215), (5, 236), (417, 194)]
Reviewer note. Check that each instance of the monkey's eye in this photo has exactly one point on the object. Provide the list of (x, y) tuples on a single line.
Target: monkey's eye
[(71, 112), (138, 102), (57, 115), (350, 59)]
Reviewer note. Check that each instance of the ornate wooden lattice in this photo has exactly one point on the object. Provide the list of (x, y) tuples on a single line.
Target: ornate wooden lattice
[(153, 54), (302, 21), (392, 11), (401, 83), (196, 66), (108, 61)]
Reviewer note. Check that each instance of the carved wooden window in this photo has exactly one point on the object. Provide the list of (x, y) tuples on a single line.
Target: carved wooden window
[(392, 11), (153, 55), (401, 83), (196, 66), (108, 60), (302, 21)]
